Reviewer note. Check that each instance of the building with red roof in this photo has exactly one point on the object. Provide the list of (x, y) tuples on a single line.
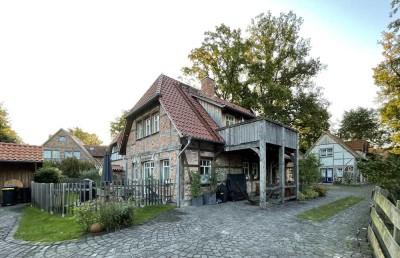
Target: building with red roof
[(175, 130)]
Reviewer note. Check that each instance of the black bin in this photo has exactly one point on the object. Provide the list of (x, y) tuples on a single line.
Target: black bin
[(84, 196), (9, 195), (25, 194), (222, 193)]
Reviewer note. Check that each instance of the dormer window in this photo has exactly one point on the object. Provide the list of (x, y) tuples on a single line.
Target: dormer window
[(229, 120), (62, 139)]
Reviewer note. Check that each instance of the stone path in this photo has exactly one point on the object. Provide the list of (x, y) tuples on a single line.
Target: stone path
[(225, 230)]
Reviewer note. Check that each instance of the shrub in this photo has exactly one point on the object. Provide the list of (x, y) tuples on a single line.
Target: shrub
[(92, 174), (320, 189), (308, 194), (72, 167), (111, 215), (87, 214), (195, 188), (48, 175), (309, 173)]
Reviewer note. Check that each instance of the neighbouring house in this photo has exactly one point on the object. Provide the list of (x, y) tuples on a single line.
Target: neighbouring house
[(18, 163), (339, 158), (97, 152), (62, 145), (118, 162), (175, 130)]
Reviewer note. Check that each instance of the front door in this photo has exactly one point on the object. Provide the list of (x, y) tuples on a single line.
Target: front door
[(327, 175)]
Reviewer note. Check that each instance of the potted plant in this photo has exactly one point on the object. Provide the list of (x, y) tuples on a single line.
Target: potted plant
[(195, 190), (210, 197)]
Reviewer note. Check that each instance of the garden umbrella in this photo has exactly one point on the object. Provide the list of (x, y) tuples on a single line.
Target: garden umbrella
[(106, 175)]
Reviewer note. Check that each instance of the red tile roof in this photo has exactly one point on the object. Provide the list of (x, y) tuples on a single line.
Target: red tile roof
[(20, 152), (180, 101), (358, 145)]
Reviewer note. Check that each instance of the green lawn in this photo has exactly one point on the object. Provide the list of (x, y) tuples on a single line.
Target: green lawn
[(39, 226), (328, 210)]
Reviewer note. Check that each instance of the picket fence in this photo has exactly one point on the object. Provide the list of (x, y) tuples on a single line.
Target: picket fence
[(61, 198), (384, 230)]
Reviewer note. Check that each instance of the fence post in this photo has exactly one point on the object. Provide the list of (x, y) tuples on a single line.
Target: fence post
[(90, 190), (63, 199), (396, 231), (51, 196)]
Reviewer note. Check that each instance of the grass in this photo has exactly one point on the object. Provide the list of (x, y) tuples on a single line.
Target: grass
[(328, 210), (146, 213), (39, 226)]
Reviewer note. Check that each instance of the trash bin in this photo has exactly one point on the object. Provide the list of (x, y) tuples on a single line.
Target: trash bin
[(9, 195), (25, 194), (85, 189), (222, 193)]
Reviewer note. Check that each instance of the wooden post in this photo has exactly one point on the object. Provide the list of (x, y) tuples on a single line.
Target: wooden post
[(282, 175), (263, 165), (296, 171), (90, 190), (51, 195), (63, 199), (396, 231)]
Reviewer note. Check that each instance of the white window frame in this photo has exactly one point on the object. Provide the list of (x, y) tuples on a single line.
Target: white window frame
[(339, 172), (47, 154), (246, 169), (205, 171), (148, 170), (326, 152), (134, 171), (147, 129), (139, 130), (68, 154), (229, 120), (156, 122), (165, 170), (77, 154), (54, 156)]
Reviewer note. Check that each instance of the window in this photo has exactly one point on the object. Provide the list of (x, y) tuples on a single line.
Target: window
[(77, 154), (62, 139), (148, 170), (246, 169), (205, 171), (156, 123), (115, 153), (55, 154), (47, 154), (254, 170), (147, 130), (134, 171), (326, 152), (91, 148), (339, 172), (68, 154), (139, 130), (164, 170), (229, 120)]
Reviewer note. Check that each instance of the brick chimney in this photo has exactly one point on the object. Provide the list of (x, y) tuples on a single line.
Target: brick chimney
[(208, 86)]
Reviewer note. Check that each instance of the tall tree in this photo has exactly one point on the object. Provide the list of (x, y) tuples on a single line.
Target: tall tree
[(269, 72), (363, 123), (7, 134), (387, 78), (395, 24), (85, 137), (118, 124)]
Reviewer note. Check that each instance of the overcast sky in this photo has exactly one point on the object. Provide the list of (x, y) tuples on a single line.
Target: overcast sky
[(79, 63)]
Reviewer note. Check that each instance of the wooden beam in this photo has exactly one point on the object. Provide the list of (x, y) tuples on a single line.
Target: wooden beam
[(282, 175), (263, 166), (243, 146), (296, 171), (256, 151)]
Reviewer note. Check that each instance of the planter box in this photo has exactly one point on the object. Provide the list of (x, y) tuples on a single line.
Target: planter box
[(197, 201), (209, 199)]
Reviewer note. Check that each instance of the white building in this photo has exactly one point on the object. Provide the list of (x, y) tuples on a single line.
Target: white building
[(339, 158)]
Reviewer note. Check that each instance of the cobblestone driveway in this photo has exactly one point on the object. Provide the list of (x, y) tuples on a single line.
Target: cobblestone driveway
[(225, 230)]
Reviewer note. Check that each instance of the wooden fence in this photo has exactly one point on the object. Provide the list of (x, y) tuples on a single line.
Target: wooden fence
[(63, 197), (383, 232)]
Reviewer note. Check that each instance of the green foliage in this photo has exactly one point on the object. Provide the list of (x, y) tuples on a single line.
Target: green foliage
[(115, 215), (40, 226), (118, 124), (213, 180), (92, 174), (308, 193), (7, 134), (72, 167), (328, 210), (320, 189), (85, 137), (48, 175), (363, 123), (111, 215), (195, 188), (309, 173), (348, 177), (384, 173), (387, 78), (269, 72), (87, 214)]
